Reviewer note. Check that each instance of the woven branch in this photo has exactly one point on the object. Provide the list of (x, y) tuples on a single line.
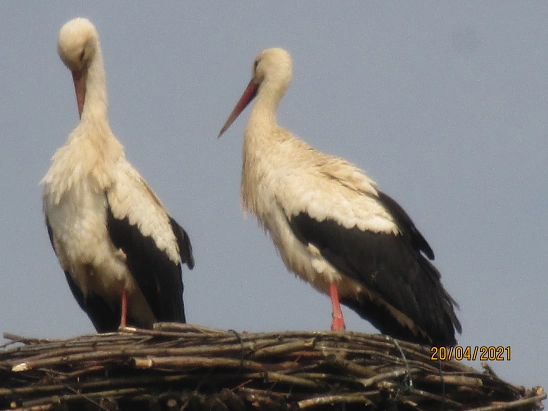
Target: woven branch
[(185, 367)]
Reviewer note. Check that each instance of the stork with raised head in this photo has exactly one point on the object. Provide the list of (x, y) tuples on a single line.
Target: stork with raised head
[(119, 248), (333, 227)]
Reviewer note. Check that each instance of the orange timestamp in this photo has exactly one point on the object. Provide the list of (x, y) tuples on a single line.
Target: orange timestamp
[(470, 353)]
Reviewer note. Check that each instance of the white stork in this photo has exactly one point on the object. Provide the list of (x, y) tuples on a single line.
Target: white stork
[(333, 227), (119, 248)]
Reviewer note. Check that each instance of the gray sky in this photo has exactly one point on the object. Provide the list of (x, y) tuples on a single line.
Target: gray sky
[(444, 104)]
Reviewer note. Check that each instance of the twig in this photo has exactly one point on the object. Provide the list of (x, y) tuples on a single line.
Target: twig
[(72, 397), (454, 380), (283, 348), (385, 376), (351, 366), (287, 379), (192, 362), (44, 407), (334, 399), (512, 404)]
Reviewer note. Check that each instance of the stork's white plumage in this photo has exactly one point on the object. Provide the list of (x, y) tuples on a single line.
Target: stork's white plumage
[(120, 250), (333, 227)]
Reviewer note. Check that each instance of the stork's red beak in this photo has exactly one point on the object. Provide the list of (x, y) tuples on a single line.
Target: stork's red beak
[(249, 94), (80, 88)]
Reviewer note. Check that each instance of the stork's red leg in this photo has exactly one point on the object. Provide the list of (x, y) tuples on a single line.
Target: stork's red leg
[(338, 320), (123, 319)]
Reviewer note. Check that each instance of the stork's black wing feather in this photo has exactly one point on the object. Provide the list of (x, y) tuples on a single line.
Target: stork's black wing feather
[(103, 317), (183, 241), (394, 271), (406, 225), (158, 277)]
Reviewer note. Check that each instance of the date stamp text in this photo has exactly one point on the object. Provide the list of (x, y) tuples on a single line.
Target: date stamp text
[(470, 353)]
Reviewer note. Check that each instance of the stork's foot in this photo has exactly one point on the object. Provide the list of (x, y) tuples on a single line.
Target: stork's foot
[(338, 320), (338, 323), (123, 310)]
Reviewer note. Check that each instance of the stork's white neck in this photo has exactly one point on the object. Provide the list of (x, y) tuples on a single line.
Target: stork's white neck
[(92, 142), (96, 99), (262, 118), (262, 135)]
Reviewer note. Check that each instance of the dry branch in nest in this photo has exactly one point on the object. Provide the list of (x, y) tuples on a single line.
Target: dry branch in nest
[(184, 367)]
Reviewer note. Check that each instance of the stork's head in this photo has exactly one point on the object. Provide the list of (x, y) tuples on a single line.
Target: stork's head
[(272, 66), (78, 44), (271, 72)]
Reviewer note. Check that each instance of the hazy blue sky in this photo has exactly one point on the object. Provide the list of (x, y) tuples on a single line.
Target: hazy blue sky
[(444, 104)]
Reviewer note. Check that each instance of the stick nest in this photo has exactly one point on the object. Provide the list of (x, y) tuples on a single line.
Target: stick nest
[(185, 367)]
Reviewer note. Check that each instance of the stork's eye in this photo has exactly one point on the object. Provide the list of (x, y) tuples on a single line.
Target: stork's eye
[(82, 55), (255, 65)]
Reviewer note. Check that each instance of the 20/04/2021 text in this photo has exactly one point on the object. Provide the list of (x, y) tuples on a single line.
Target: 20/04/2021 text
[(471, 353)]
